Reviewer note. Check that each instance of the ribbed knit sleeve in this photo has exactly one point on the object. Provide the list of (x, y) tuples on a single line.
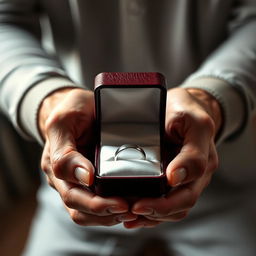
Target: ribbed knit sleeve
[(24, 64), (229, 73)]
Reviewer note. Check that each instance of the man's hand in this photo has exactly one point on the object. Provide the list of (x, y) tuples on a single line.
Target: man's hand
[(193, 118), (66, 123)]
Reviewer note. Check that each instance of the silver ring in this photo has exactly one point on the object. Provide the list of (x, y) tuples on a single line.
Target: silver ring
[(132, 146)]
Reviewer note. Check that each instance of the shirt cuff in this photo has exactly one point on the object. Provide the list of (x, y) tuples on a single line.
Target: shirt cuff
[(230, 100), (28, 111)]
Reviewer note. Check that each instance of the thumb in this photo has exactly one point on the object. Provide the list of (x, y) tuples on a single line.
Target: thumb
[(66, 162)]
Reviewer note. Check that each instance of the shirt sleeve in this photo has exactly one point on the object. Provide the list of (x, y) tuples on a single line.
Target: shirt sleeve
[(229, 73), (24, 64)]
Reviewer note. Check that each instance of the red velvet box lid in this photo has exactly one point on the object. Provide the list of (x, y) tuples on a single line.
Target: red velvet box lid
[(129, 78)]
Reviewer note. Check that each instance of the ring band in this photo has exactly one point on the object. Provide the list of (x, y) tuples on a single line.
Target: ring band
[(127, 146)]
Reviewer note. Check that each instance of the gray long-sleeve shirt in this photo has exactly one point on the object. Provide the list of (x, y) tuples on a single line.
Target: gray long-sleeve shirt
[(208, 44), (46, 45)]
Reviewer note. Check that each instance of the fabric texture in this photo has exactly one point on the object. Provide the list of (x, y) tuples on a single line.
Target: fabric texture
[(222, 223)]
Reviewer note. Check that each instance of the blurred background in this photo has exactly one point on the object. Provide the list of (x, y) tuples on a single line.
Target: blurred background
[(19, 180)]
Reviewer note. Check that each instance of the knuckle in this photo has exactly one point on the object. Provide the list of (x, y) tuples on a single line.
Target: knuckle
[(51, 122), (48, 124), (206, 122), (69, 198), (96, 208), (45, 164), (45, 167), (180, 115), (78, 217), (60, 162), (60, 116), (177, 116)]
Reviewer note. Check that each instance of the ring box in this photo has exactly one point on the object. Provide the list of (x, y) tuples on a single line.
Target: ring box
[(130, 119)]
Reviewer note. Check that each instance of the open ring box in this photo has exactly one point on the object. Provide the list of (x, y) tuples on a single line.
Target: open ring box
[(130, 116)]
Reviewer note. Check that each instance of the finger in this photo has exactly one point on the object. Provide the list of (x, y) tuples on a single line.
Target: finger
[(45, 159), (198, 186), (213, 160), (65, 126), (191, 161), (66, 162), (186, 167), (170, 218), (141, 222), (178, 200), (85, 201), (85, 219), (46, 165)]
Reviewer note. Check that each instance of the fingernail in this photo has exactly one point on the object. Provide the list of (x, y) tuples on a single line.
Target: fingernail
[(178, 176), (83, 176), (116, 209), (145, 211)]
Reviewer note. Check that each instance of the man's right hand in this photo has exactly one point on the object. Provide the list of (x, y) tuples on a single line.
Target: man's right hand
[(66, 123)]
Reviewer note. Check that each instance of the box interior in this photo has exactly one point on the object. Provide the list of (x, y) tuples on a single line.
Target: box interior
[(130, 116)]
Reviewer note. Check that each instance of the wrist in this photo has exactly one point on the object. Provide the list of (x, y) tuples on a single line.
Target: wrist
[(210, 104)]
